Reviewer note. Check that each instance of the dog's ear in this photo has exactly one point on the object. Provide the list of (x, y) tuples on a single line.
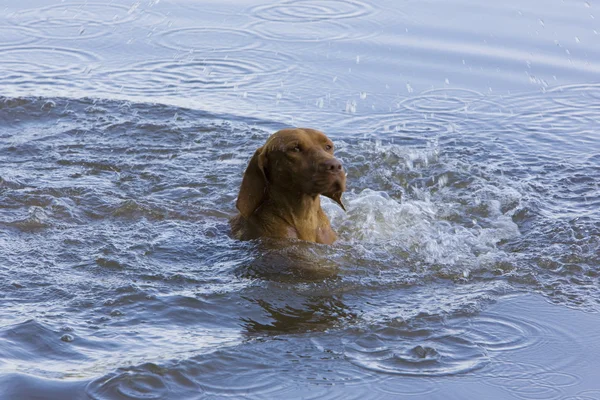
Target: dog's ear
[(253, 190), (337, 197)]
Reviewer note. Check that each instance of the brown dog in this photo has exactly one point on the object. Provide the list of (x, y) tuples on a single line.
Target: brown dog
[(280, 192)]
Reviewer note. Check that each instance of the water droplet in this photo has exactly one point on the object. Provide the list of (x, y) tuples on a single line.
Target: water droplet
[(358, 59), (542, 22), (67, 338), (363, 95), (587, 4), (351, 106), (577, 40), (335, 78), (409, 88), (320, 102), (447, 81), (133, 8)]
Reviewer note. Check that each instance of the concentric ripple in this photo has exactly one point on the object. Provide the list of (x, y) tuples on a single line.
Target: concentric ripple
[(441, 100), (311, 10), (585, 96), (171, 77), (540, 383), (319, 31), (17, 35), (76, 20), (211, 39), (30, 62), (418, 352), (500, 333), (136, 383), (455, 346), (82, 21)]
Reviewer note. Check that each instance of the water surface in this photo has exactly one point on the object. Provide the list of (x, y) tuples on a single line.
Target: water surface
[(467, 264)]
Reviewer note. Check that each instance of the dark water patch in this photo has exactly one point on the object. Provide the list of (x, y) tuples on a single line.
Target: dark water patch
[(22, 340), (323, 363), (144, 382), (212, 375), (21, 386), (132, 250)]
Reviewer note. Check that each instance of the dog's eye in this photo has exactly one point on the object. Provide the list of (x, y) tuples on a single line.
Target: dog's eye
[(296, 149), (328, 147)]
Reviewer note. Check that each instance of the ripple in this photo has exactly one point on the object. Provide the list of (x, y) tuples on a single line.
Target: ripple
[(399, 125), (29, 62), (529, 381), (498, 333), (211, 39), (82, 20), (556, 123), (16, 35), (311, 10), (20, 341), (418, 352), (407, 387), (214, 373), (442, 100), (426, 347), (585, 395), (320, 31), (144, 382), (583, 96), (175, 77)]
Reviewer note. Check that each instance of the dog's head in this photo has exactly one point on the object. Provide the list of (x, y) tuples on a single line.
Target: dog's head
[(294, 162)]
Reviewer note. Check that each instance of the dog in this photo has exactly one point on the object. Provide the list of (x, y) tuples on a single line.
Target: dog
[(280, 192)]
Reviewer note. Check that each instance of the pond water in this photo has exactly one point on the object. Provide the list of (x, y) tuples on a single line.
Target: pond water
[(468, 261)]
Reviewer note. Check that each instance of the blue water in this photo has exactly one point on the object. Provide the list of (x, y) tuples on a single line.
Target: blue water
[(468, 261)]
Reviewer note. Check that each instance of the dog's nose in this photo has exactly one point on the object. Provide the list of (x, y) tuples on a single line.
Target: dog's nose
[(331, 165)]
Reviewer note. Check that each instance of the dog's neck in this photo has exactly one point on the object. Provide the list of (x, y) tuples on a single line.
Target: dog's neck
[(299, 210)]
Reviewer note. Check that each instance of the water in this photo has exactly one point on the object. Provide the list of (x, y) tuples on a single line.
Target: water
[(467, 264)]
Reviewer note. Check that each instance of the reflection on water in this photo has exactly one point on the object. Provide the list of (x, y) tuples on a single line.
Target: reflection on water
[(472, 159)]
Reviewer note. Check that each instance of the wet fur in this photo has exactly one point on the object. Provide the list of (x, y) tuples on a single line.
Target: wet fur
[(280, 192)]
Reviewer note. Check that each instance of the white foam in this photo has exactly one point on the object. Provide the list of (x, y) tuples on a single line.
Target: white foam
[(418, 226)]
